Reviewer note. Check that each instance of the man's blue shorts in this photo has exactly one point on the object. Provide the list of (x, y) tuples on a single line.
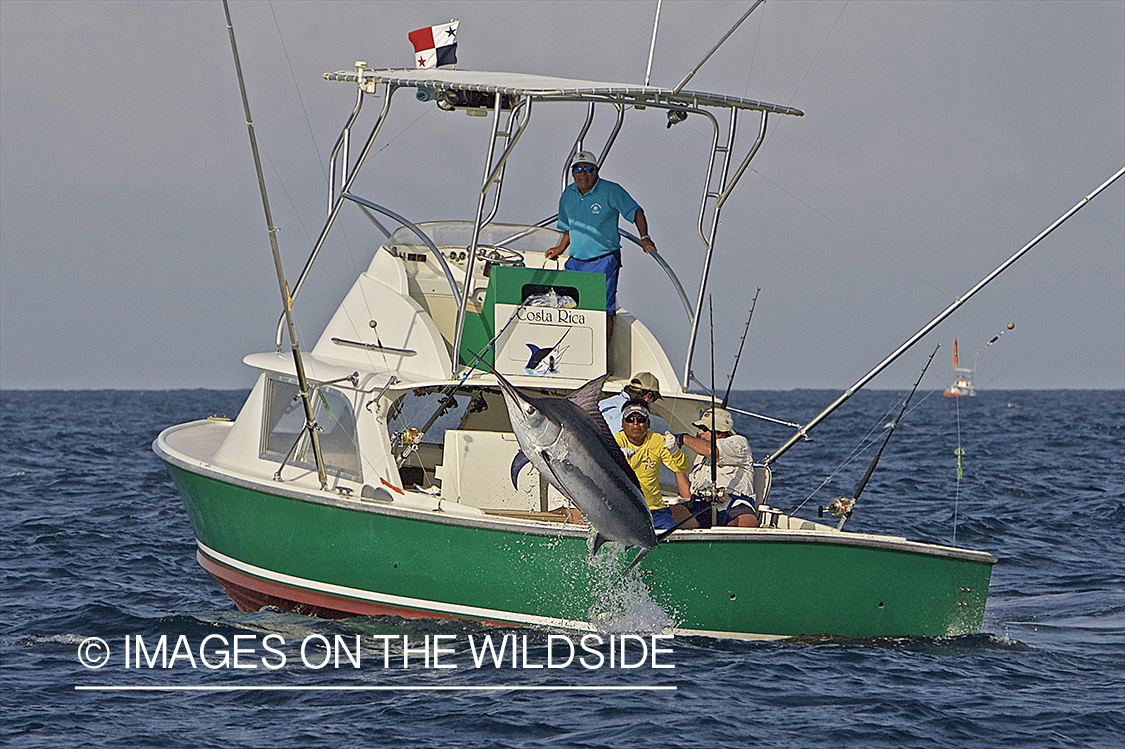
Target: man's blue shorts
[(610, 265), (662, 519)]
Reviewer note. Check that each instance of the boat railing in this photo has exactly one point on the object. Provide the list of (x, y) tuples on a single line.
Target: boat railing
[(512, 137), (667, 270), (491, 173), (364, 203), (719, 195), (342, 144), (336, 203)]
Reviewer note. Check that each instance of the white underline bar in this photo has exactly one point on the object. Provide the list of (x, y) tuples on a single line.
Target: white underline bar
[(503, 688)]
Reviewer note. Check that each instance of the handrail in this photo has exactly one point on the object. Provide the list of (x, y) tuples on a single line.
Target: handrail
[(378, 224), (578, 142), (498, 173), (342, 140), (708, 239), (364, 203), (667, 269), (462, 308), (720, 195), (586, 128), (722, 199), (348, 179), (613, 133), (707, 181)]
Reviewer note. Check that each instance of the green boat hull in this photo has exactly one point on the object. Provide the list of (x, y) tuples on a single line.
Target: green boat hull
[(341, 557)]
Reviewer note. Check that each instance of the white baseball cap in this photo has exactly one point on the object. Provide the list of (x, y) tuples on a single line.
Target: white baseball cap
[(584, 157)]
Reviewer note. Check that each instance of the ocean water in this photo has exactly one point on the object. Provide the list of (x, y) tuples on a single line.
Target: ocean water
[(96, 544)]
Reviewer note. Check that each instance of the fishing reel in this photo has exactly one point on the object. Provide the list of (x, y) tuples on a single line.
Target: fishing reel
[(478, 404), (406, 442), (716, 498), (712, 494), (840, 507)]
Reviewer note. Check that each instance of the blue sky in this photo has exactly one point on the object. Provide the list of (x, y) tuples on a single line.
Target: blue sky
[(939, 137)]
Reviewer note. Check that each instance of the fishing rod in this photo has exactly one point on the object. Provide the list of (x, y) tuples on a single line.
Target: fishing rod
[(450, 390), (937, 320), (767, 418), (286, 299), (714, 439), (738, 356), (845, 505)]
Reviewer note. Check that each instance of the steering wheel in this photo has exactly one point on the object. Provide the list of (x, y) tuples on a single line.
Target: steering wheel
[(499, 255)]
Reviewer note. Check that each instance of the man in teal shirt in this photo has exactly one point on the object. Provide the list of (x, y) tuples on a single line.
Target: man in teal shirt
[(588, 212)]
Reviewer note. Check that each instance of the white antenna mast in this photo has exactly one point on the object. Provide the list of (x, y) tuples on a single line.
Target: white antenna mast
[(652, 46)]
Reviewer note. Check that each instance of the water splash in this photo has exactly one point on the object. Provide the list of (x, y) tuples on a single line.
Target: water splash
[(625, 605)]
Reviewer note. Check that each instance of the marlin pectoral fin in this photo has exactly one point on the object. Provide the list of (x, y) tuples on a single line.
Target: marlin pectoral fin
[(599, 539), (518, 463)]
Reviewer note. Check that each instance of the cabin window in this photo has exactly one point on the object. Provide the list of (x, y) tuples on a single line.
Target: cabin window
[(285, 425)]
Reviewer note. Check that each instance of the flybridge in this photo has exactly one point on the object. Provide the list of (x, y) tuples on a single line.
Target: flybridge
[(548, 88), (513, 94)]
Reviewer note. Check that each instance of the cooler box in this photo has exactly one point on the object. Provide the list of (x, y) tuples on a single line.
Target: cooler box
[(553, 323)]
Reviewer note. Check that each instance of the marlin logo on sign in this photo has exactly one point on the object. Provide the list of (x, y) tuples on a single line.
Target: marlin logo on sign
[(545, 361)]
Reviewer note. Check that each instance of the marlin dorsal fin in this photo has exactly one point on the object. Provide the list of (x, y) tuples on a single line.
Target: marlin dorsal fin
[(586, 398)]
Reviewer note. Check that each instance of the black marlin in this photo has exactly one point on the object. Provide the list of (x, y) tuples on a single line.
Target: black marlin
[(569, 443)]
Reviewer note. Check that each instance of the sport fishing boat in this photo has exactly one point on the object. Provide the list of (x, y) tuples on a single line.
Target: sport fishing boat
[(963, 385), (371, 474)]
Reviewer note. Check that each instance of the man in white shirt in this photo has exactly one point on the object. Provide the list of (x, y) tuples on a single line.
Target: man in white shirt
[(734, 472)]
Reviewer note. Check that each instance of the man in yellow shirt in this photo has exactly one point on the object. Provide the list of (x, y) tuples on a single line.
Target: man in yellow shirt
[(645, 451)]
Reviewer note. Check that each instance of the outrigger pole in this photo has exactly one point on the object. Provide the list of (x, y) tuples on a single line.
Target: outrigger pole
[(802, 432), (845, 505), (286, 299), (707, 57)]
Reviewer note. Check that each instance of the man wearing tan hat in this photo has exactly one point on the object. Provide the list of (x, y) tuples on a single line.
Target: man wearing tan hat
[(643, 387), (588, 211), (734, 471)]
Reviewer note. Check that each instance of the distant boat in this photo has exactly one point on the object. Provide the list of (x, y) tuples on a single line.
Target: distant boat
[(963, 385)]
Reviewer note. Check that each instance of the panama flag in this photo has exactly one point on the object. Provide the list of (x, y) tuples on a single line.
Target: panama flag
[(435, 46)]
